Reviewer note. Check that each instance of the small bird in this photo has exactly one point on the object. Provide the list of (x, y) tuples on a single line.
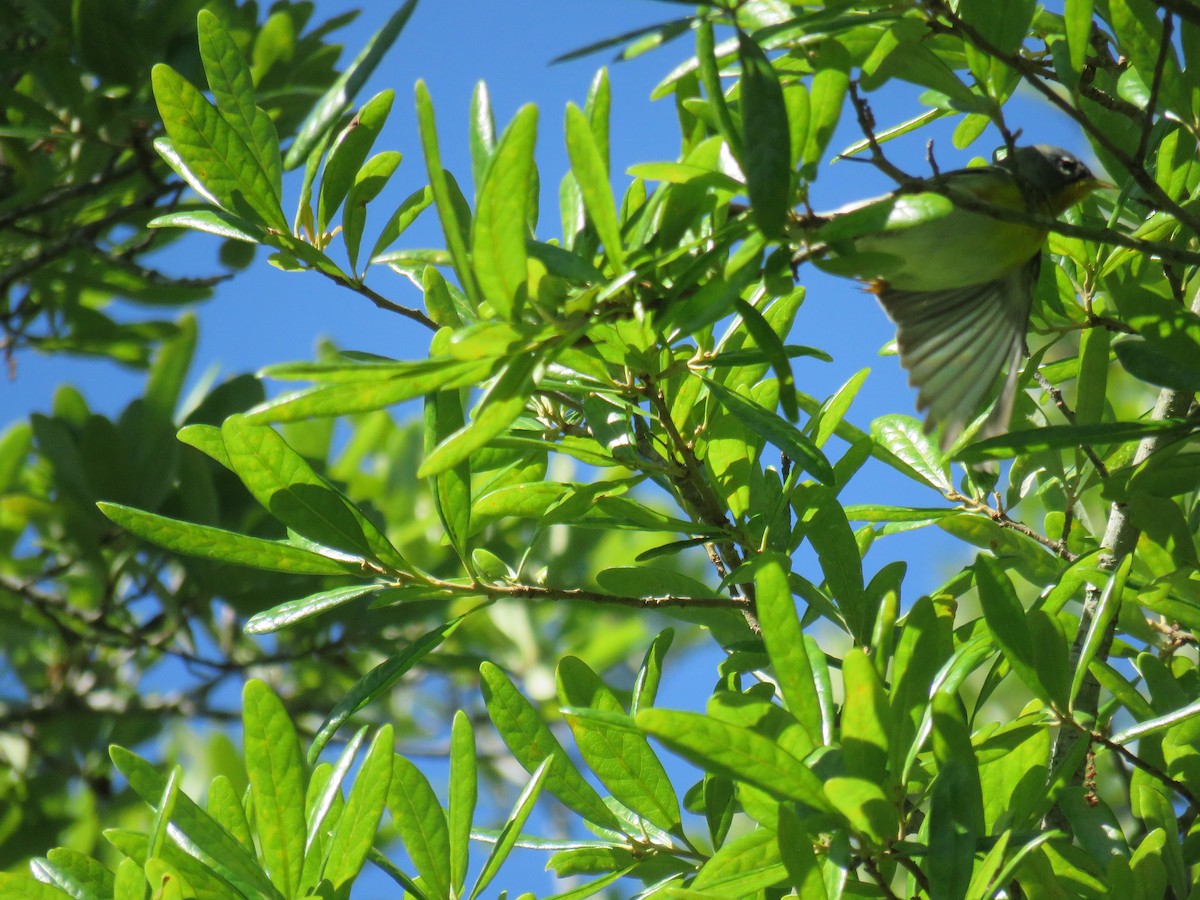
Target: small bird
[(958, 283)]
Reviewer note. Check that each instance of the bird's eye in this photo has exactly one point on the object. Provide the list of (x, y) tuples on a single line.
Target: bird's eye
[(1068, 166)]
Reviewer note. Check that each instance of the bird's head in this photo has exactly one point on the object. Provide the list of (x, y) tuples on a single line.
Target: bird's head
[(1060, 177)]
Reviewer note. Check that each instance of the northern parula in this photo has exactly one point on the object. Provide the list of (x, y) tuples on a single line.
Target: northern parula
[(958, 283)]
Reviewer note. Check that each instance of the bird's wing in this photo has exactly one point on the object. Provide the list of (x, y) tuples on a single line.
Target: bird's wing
[(954, 342)]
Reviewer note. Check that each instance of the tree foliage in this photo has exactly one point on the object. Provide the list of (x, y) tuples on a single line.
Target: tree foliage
[(612, 437)]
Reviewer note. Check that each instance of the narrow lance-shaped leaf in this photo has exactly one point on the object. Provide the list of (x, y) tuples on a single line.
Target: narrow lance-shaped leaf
[(348, 153), (778, 431), (277, 777), (378, 681), (482, 133), (956, 806), (621, 759), (592, 177), (76, 874), (710, 77), (455, 229), (359, 821), (766, 143), (406, 213), (784, 639), (597, 108), (224, 546), (287, 614), (531, 742), (369, 181), (232, 88), (512, 827), (336, 100), (422, 825), (827, 94), (500, 231), (451, 486), (216, 846), (499, 408), (464, 790), (645, 687), (772, 347), (1109, 606), (738, 753), (284, 483), (212, 150)]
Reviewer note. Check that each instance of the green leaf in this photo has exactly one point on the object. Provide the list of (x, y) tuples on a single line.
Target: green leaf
[(356, 396), (1008, 624), (598, 109), (645, 686), (482, 133), (710, 77), (1055, 437), (1160, 364), (232, 88), (337, 99), (823, 522), (800, 860), (277, 779), (903, 437), (157, 839), (591, 174), (501, 225), (165, 881), (211, 843), (464, 791), (421, 822), (923, 647), (512, 826), (324, 806), (1092, 383), (621, 759), (285, 615), (499, 407), (766, 147), (532, 743), (865, 720), (211, 149), (452, 486), (743, 866), (737, 753), (75, 874), (956, 805), (284, 483), (130, 883), (866, 807), (827, 94), (357, 826), (406, 213), (378, 681), (368, 182), (772, 347), (22, 887), (455, 227), (784, 639), (212, 221), (221, 545), (778, 431), (225, 806), (346, 156)]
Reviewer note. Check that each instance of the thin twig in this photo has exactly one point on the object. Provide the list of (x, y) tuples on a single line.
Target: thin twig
[(1069, 414), (381, 301)]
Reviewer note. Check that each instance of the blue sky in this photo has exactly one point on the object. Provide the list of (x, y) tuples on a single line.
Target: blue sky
[(265, 316)]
